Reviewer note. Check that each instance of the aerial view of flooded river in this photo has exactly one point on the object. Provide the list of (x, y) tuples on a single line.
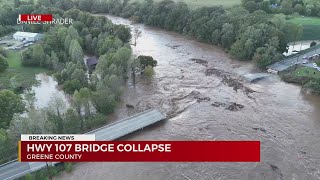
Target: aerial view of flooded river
[(199, 88)]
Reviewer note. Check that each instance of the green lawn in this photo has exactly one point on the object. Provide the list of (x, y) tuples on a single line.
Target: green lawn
[(307, 72), (311, 27), (306, 20), (17, 75), (201, 3)]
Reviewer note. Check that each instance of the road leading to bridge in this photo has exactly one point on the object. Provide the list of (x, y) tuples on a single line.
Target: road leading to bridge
[(110, 132), (287, 63)]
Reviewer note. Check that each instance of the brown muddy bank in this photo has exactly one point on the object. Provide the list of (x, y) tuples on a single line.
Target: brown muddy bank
[(285, 120)]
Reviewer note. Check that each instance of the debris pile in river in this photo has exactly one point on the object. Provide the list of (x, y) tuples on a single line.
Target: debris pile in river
[(200, 61), (214, 71), (173, 46), (231, 106), (228, 80), (130, 106), (186, 100), (260, 129)]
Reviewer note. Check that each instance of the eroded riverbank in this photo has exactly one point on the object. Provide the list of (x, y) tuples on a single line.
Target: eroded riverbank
[(285, 120)]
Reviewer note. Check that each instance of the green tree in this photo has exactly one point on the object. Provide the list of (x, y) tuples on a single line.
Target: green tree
[(147, 61), (81, 100), (75, 51), (72, 122), (294, 32), (70, 86), (80, 75), (29, 96), (148, 72), (266, 56), (227, 37), (10, 105), (3, 63), (67, 43), (287, 7), (3, 52), (38, 55), (251, 6), (123, 33), (103, 99), (299, 8), (55, 114), (72, 32)]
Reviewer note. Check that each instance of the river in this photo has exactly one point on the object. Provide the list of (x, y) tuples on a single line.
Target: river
[(210, 102), (46, 91)]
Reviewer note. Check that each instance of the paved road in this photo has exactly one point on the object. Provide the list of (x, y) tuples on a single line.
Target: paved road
[(110, 132), (285, 64)]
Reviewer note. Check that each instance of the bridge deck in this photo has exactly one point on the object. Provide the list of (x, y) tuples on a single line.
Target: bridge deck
[(255, 76), (110, 132)]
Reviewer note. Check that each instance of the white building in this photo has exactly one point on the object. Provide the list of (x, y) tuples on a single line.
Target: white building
[(28, 36)]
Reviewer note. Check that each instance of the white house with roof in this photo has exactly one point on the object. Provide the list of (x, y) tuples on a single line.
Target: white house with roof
[(28, 36)]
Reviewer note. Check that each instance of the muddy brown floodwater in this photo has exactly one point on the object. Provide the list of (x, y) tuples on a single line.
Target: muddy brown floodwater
[(198, 86)]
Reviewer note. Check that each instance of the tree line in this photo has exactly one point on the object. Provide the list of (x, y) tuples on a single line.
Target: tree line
[(256, 36), (302, 7)]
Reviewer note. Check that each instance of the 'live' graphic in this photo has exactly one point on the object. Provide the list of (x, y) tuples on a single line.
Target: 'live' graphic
[(35, 17)]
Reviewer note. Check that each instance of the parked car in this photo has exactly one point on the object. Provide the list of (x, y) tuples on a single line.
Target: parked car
[(315, 65), (305, 62)]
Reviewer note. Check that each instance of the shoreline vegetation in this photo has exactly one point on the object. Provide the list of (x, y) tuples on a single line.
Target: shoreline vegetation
[(238, 30)]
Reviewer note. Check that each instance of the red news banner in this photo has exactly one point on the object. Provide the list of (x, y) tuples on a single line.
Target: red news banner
[(139, 151)]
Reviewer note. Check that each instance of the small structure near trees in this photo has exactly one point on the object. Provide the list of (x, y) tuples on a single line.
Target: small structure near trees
[(91, 63), (28, 36)]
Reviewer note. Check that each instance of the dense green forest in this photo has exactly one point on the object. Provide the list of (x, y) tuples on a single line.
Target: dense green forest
[(302, 7), (62, 51), (256, 36)]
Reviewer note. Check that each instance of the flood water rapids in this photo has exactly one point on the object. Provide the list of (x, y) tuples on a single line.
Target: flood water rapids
[(199, 87)]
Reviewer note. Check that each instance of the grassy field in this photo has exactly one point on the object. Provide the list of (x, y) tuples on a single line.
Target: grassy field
[(311, 27), (306, 20), (201, 3), (16, 75), (307, 72), (3, 2)]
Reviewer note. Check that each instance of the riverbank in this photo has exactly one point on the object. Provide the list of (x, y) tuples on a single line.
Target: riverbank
[(18, 77), (307, 77)]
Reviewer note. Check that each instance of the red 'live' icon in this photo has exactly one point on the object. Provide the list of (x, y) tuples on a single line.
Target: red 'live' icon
[(35, 17)]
